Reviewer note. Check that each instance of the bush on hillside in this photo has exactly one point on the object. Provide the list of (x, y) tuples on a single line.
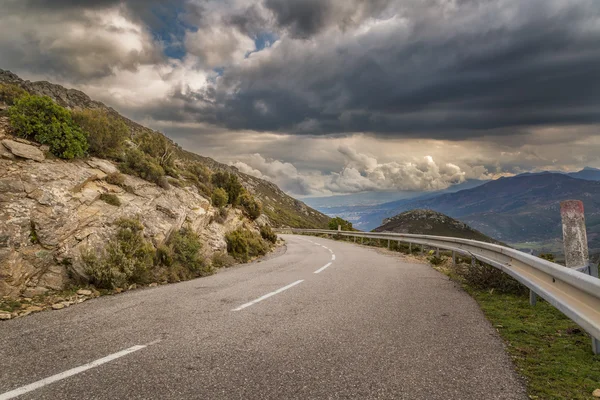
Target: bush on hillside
[(267, 233), (105, 133), (115, 179), (481, 276), (111, 199), (9, 94), (127, 259), (159, 148), (231, 184), (251, 206), (139, 163), (42, 120), (244, 245), (222, 260), (337, 221), (219, 197), (186, 247)]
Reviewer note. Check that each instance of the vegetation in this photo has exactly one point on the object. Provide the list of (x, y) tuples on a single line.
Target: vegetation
[(128, 258), (138, 163), (243, 245), (111, 199), (9, 94), (337, 221), (115, 179), (219, 197), (231, 184), (267, 233), (42, 120), (250, 205), (105, 133), (186, 247), (222, 260), (549, 350)]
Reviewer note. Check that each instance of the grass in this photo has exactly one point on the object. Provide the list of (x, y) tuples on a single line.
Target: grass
[(111, 199), (549, 350)]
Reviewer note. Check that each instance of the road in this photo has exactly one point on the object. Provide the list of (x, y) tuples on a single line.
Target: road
[(368, 325)]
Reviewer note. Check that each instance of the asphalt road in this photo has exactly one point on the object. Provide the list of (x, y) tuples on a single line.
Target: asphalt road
[(369, 326)]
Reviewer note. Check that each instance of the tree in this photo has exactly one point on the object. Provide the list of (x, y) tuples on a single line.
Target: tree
[(231, 184), (334, 222), (42, 120), (105, 133), (219, 197)]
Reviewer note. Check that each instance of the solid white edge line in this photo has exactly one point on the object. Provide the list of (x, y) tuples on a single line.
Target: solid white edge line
[(266, 296), (322, 268), (63, 375)]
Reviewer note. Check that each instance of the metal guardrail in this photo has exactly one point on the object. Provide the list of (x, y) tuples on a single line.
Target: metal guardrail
[(574, 293)]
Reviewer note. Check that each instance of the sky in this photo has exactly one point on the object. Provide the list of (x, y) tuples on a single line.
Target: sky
[(328, 97)]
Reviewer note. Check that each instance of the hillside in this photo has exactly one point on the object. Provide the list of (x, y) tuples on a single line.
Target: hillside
[(90, 197), (522, 210), (281, 209), (428, 222)]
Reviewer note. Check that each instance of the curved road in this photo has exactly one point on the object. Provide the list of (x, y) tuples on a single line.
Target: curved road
[(368, 326)]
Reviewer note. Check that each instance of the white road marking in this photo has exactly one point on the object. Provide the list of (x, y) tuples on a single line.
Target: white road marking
[(266, 296), (63, 375), (322, 269), (333, 257)]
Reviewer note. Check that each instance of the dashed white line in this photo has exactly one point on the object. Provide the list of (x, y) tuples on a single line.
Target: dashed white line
[(63, 375), (266, 296), (333, 257), (322, 269)]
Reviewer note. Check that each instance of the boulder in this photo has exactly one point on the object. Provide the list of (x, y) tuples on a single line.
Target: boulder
[(24, 150)]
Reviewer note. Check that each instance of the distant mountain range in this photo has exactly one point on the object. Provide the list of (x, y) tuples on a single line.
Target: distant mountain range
[(523, 210)]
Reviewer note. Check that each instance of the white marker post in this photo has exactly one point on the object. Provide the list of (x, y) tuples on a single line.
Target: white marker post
[(575, 244)]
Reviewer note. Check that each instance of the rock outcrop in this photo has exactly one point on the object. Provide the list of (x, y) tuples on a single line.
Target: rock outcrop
[(51, 210)]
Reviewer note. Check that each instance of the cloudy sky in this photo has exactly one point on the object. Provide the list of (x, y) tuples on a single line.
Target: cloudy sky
[(334, 96)]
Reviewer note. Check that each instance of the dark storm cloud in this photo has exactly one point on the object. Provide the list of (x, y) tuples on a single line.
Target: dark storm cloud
[(450, 75)]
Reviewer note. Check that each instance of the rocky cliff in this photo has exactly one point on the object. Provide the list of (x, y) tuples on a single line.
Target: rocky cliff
[(50, 210)]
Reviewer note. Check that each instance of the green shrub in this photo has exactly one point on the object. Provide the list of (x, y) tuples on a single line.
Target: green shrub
[(267, 233), (115, 179), (251, 206), (164, 255), (105, 133), (111, 199), (127, 259), (334, 222), (244, 245), (220, 217), (222, 260), (231, 184), (138, 163), (159, 148), (40, 119), (219, 197), (9, 94), (185, 245)]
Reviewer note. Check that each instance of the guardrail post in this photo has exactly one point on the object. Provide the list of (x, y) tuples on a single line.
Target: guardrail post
[(437, 251), (354, 239), (409, 248), (388, 244), (532, 298), (422, 249), (453, 258)]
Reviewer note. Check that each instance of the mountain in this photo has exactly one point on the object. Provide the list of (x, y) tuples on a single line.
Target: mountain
[(428, 222), (523, 211), (588, 173), (282, 210)]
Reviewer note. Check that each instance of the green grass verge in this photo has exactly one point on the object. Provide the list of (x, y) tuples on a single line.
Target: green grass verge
[(548, 349)]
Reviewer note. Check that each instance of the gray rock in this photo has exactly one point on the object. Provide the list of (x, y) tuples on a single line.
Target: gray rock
[(58, 306), (5, 316), (84, 292), (24, 150)]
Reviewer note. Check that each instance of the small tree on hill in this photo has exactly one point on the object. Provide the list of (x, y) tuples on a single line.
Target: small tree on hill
[(334, 222), (42, 120), (105, 133)]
